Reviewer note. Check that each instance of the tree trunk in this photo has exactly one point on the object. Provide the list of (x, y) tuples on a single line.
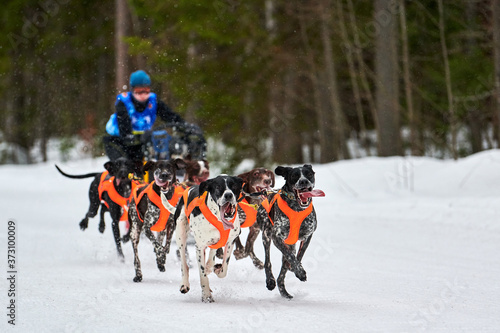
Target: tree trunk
[(339, 123), (353, 76), (386, 71), (495, 10), (474, 115), (120, 46), (358, 52), (415, 144), (327, 151), (449, 93)]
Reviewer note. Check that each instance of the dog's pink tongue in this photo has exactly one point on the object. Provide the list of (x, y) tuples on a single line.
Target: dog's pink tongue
[(225, 223), (160, 183), (313, 193), (118, 181)]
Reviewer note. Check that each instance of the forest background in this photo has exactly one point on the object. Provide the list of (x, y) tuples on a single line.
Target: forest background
[(273, 80)]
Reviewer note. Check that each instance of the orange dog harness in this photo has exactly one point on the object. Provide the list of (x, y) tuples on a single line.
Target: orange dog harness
[(200, 202), (250, 212), (156, 200), (106, 185), (296, 218)]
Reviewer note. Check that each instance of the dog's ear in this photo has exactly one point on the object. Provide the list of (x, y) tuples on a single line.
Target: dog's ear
[(148, 166), (204, 187), (138, 168), (207, 165), (110, 166), (245, 176), (179, 164), (309, 166), (239, 182), (282, 171), (236, 185), (271, 174)]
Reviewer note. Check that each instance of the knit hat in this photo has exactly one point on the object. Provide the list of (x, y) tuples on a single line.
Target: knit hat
[(139, 78)]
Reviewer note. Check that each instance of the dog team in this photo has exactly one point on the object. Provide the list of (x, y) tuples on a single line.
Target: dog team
[(213, 210)]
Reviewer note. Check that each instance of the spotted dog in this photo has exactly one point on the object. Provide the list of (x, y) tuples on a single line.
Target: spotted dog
[(287, 217), (112, 188), (256, 180), (196, 172), (209, 211), (147, 212)]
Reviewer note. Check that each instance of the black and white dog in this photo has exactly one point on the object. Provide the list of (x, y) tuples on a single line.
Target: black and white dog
[(287, 217), (210, 211), (146, 211), (113, 188)]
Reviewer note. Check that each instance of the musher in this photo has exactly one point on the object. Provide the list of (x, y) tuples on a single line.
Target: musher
[(135, 114)]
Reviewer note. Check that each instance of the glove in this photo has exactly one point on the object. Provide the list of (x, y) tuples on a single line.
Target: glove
[(146, 136), (131, 140)]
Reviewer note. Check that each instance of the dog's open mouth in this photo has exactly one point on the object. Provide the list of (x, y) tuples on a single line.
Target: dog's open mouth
[(304, 195), (263, 190), (227, 212), (162, 185)]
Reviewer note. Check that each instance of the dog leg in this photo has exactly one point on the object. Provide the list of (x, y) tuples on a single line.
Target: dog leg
[(181, 240), (252, 237), (102, 224), (149, 221), (289, 254), (161, 255), (221, 270), (266, 240), (211, 261), (115, 212), (94, 203), (239, 252), (206, 293), (303, 247), (281, 279), (135, 233)]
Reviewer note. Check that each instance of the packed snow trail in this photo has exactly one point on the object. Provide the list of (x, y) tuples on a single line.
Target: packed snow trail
[(402, 245)]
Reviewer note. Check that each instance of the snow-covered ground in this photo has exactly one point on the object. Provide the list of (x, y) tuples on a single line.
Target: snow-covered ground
[(403, 245)]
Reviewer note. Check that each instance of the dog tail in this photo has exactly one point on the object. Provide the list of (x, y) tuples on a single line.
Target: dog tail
[(88, 175)]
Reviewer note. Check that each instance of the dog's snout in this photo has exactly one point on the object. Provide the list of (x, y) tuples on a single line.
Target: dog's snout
[(267, 181), (164, 175), (303, 183), (228, 196)]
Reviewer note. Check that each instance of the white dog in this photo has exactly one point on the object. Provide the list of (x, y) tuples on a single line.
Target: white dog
[(209, 210)]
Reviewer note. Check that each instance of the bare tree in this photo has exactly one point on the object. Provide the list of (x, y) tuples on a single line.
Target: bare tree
[(349, 55), (339, 122), (386, 71), (495, 10), (120, 46), (415, 144), (449, 92)]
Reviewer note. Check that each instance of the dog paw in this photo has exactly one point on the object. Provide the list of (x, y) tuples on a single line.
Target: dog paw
[(271, 284), (257, 263), (102, 226), (207, 299), (138, 278), (161, 268), (240, 254), (125, 238), (184, 289), (217, 269), (220, 253), (300, 273), (285, 294), (84, 224)]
